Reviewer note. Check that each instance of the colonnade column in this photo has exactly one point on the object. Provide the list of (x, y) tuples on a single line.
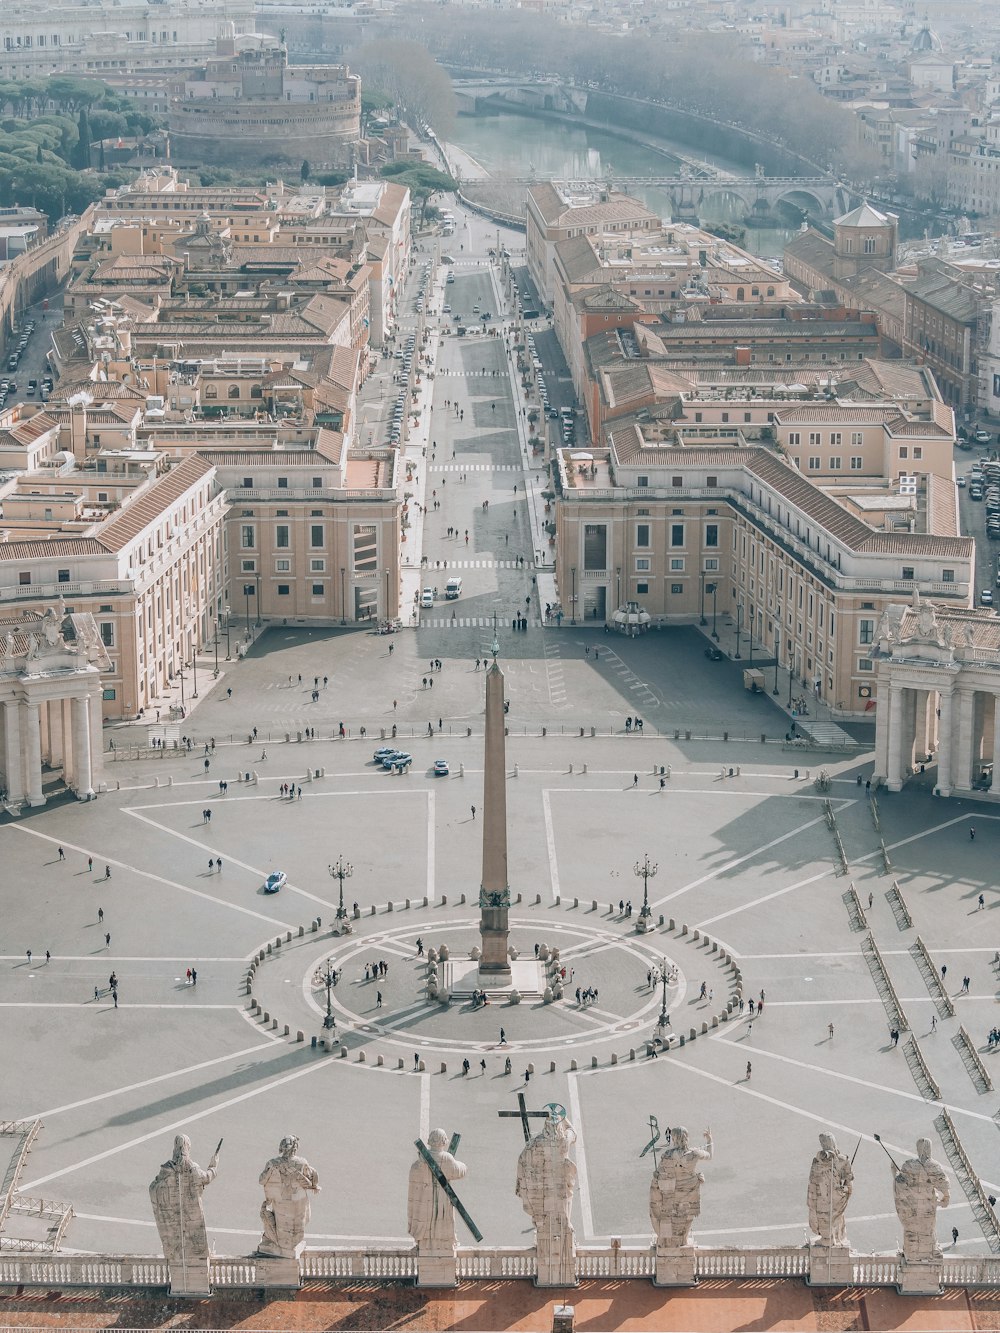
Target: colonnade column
[(963, 750), (921, 739), (33, 754), (55, 732), (12, 750), (946, 740), (894, 766), (995, 788), (81, 746), (69, 758)]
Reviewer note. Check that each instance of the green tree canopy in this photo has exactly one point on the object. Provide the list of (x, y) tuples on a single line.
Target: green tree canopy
[(422, 180)]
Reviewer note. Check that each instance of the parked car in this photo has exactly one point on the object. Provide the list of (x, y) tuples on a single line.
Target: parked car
[(276, 880), (427, 597), (986, 597), (384, 752), (714, 654), (398, 761), (441, 769)]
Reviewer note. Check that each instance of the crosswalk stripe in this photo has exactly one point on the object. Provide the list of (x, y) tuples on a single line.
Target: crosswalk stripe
[(482, 564), (467, 622)]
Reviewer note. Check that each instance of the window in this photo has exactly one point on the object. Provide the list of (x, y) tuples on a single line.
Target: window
[(248, 536), (24, 578), (814, 437), (316, 535), (711, 565), (281, 536), (866, 631), (211, 391), (857, 439), (904, 451), (282, 566), (642, 534), (677, 565), (835, 463), (908, 572), (711, 481), (856, 463), (814, 464), (282, 483), (865, 664), (677, 482), (248, 566), (317, 590), (63, 575), (317, 483), (643, 513), (595, 544), (108, 633), (870, 243), (836, 439), (698, 416), (794, 437), (725, 418), (711, 534), (675, 588), (868, 606), (108, 694), (247, 482), (317, 566), (642, 481), (643, 564), (234, 391), (918, 451), (642, 587), (947, 576), (677, 534), (283, 589)]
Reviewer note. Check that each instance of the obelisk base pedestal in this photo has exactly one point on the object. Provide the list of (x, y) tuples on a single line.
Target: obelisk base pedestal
[(920, 1277), (274, 1271), (830, 1266), (190, 1279), (674, 1267)]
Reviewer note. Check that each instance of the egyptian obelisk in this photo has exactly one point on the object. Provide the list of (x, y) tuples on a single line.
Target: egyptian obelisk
[(494, 893)]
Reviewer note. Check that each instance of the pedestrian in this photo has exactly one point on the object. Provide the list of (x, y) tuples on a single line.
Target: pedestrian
[(97, 992), (482, 1067), (465, 1066), (871, 899), (107, 872), (749, 1071), (47, 955), (982, 902), (29, 956), (933, 1022), (378, 999), (218, 865), (114, 995), (100, 915), (90, 863), (527, 1076), (194, 976), (503, 1037), (62, 855), (965, 985), (954, 1235), (473, 808), (894, 1034), (829, 1028), (635, 779), (416, 1060), (506, 1065), (972, 833), (107, 940), (944, 971), (188, 974)]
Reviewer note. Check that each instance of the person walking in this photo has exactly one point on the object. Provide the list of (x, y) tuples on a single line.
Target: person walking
[(62, 855), (107, 872), (871, 899), (107, 940), (473, 808), (982, 902), (90, 864), (749, 1071), (635, 779), (972, 833), (503, 1037), (378, 999), (100, 915), (829, 1029)]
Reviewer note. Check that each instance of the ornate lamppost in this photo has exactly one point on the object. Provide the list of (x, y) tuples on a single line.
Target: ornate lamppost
[(329, 980), (341, 871), (645, 872), (664, 1018)]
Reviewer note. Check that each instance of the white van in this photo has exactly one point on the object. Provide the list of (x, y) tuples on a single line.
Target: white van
[(453, 589)]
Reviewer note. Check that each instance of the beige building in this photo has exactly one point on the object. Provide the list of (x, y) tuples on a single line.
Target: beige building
[(555, 214), (662, 516)]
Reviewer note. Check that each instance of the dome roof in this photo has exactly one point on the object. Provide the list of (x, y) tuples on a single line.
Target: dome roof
[(926, 40)]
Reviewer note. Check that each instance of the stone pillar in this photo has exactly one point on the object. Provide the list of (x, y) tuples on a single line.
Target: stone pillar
[(946, 706), (830, 1266), (494, 893), (33, 754), (12, 751), (43, 725), (894, 767), (69, 758), (962, 754), (921, 733), (56, 743), (921, 1278), (675, 1266), (96, 711), (996, 745), (84, 785)]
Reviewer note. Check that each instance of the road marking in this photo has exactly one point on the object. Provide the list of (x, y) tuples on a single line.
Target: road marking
[(765, 898), (582, 1175), (178, 1125), (157, 879), (147, 1082), (550, 843)]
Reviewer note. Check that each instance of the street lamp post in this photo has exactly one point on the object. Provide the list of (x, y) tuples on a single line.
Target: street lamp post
[(664, 1018), (227, 612), (257, 579), (791, 663), (777, 655), (572, 600), (343, 596), (739, 628), (618, 576), (194, 664), (713, 588), (645, 872), (329, 979), (387, 594), (701, 615), (180, 677), (216, 645), (341, 871), (248, 593), (750, 633)]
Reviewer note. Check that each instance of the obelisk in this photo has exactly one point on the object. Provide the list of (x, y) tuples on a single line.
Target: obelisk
[(494, 892)]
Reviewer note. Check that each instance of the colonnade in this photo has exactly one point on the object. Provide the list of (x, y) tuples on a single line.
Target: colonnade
[(955, 725), (57, 730)]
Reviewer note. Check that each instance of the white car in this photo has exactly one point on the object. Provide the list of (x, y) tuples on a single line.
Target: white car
[(275, 881), (427, 597)]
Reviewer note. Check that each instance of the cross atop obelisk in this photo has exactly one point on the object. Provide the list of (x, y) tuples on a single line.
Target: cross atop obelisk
[(494, 893)]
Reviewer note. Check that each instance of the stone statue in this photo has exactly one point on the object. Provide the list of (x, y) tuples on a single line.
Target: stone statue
[(50, 627), (288, 1181), (177, 1206), (830, 1183), (675, 1190), (920, 1188), (546, 1182), (430, 1214)]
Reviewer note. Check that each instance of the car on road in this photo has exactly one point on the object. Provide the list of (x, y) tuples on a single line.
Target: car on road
[(983, 437), (960, 482), (384, 752), (427, 597), (276, 880), (397, 762), (986, 597), (441, 769), (714, 654)]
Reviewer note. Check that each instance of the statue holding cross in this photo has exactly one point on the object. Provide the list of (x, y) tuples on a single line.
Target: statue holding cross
[(431, 1205), (546, 1183)]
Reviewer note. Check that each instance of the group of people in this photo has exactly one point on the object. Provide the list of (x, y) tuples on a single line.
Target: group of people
[(375, 971), (633, 723)]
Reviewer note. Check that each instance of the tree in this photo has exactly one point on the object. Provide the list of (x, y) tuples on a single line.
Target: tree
[(305, 171), (421, 180), (83, 147), (408, 75)]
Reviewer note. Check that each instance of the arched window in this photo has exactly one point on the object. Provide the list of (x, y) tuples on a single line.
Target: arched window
[(740, 294), (211, 391), (256, 391), (234, 391)]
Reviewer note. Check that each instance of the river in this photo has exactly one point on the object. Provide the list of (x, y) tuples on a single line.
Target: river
[(509, 144)]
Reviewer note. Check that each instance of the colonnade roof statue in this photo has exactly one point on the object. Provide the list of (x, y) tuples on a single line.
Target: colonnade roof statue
[(33, 643)]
